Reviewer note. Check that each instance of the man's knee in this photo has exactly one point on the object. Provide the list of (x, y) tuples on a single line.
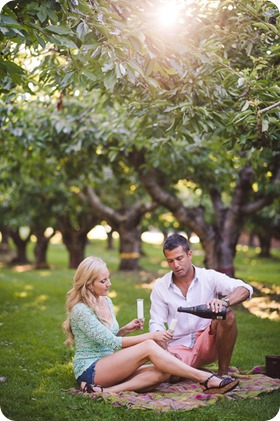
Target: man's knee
[(229, 322), (231, 319)]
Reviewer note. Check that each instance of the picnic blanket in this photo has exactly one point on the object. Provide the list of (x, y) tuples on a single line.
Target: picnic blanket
[(187, 395)]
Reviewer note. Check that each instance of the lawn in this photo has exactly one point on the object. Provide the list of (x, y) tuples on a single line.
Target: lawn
[(35, 366)]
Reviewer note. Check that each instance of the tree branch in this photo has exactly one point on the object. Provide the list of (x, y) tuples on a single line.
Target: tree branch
[(191, 217), (262, 201), (102, 210), (114, 217), (271, 107), (256, 205)]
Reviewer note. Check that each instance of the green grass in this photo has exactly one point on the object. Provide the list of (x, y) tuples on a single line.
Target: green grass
[(37, 365)]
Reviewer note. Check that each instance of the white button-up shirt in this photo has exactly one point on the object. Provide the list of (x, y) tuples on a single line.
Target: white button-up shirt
[(166, 297)]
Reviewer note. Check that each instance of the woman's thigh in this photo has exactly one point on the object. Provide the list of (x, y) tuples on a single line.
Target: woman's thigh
[(117, 367)]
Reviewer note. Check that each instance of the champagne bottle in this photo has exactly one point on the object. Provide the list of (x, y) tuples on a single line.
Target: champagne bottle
[(203, 311)]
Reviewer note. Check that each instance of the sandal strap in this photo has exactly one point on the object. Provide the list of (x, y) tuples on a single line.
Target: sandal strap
[(225, 382), (205, 383), (84, 389), (98, 385), (88, 388)]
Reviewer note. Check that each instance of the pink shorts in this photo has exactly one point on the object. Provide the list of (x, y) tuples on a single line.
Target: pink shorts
[(204, 350)]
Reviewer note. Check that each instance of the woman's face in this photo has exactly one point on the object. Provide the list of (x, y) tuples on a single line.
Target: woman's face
[(101, 285)]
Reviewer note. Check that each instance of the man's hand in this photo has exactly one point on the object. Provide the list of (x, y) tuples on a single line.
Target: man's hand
[(216, 305)]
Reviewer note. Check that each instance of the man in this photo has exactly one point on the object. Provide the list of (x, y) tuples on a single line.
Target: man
[(196, 341)]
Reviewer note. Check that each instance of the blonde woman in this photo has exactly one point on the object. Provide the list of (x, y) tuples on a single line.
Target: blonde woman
[(105, 359)]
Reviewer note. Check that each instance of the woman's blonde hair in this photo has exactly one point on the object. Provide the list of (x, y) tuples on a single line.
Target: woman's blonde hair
[(86, 273)]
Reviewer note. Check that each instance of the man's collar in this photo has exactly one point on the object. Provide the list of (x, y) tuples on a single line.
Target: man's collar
[(171, 282)]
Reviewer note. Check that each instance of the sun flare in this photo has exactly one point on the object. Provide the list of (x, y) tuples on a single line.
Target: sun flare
[(168, 15)]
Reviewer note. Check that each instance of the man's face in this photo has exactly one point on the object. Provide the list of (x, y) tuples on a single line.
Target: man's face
[(179, 261)]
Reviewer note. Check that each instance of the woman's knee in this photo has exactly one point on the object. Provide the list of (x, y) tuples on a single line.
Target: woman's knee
[(160, 376), (150, 345)]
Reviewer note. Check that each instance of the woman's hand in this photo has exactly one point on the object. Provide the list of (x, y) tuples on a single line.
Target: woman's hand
[(162, 336), (131, 327), (134, 325)]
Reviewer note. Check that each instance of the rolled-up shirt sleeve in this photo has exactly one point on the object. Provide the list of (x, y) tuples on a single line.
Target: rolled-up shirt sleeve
[(225, 285)]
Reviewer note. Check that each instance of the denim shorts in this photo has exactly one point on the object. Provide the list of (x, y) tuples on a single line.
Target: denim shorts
[(88, 375)]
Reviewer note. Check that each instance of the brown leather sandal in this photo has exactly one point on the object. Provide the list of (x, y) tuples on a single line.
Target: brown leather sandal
[(225, 386)]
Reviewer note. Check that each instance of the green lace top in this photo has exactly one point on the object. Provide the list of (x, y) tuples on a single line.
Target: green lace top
[(93, 339)]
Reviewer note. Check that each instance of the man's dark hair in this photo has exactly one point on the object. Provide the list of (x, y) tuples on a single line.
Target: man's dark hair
[(176, 240)]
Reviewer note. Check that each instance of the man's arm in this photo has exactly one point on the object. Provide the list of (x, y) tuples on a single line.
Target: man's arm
[(230, 291), (237, 296), (158, 311)]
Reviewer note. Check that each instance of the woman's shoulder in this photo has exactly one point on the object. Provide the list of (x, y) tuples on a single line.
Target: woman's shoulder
[(80, 308)]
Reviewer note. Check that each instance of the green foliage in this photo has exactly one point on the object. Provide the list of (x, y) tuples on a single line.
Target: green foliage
[(38, 366), (215, 71), (193, 102)]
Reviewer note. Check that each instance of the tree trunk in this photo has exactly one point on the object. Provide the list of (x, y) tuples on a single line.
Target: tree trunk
[(75, 243), (41, 248), (130, 247), (251, 239), (21, 247), (75, 236), (4, 245), (110, 240), (218, 256), (265, 244), (76, 249)]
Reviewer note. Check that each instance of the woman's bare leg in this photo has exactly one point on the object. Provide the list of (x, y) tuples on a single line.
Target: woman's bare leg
[(145, 379), (145, 375), (118, 370)]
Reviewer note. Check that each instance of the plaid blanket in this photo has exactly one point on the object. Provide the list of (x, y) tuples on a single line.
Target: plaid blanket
[(187, 395)]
